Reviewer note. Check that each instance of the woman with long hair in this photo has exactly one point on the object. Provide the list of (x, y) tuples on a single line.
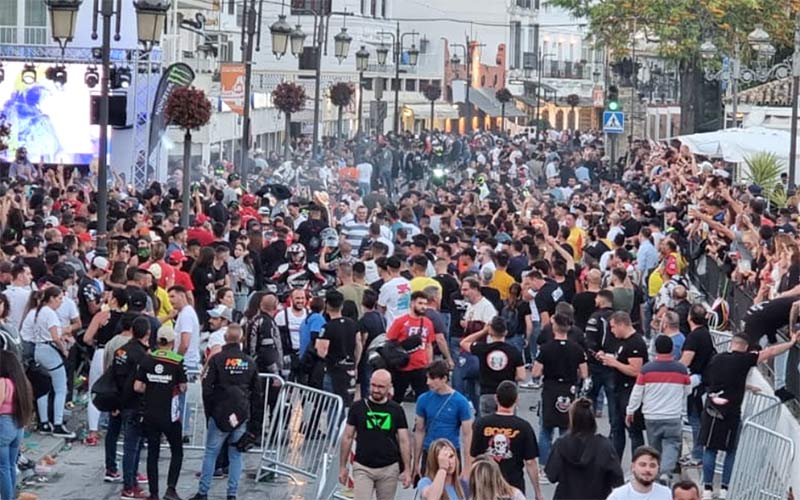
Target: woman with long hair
[(486, 482), (49, 352), (583, 463), (202, 275), (242, 274), (16, 409), (442, 474)]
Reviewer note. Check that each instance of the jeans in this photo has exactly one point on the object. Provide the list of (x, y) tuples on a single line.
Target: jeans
[(665, 436), (172, 431), (50, 359), (518, 342), (112, 435), (10, 441), (533, 347), (215, 438), (388, 182), (131, 447), (603, 378), (365, 188), (466, 386), (694, 413), (710, 463), (618, 424), (546, 440), (186, 415)]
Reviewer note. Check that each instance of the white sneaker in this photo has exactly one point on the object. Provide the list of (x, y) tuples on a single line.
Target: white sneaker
[(723, 493), (708, 495)]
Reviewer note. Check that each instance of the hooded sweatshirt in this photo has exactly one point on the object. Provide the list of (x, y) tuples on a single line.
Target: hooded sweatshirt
[(585, 467)]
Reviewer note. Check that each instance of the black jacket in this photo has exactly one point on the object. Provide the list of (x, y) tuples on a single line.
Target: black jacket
[(598, 333), (231, 384), (585, 467), (126, 362)]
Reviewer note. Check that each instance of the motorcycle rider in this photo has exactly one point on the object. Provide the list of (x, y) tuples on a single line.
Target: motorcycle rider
[(297, 272)]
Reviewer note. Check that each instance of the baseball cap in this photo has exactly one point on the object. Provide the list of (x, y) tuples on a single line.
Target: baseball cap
[(137, 300), (263, 211), (221, 311), (627, 207), (101, 263), (177, 256), (51, 221), (165, 334), (85, 237)]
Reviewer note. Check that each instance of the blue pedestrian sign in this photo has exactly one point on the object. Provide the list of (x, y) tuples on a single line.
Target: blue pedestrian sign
[(613, 122)]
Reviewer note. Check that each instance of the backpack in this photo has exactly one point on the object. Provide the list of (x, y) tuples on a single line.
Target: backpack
[(105, 393), (511, 318)]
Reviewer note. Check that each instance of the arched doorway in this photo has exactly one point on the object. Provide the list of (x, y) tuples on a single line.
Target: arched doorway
[(571, 119), (545, 116), (559, 120)]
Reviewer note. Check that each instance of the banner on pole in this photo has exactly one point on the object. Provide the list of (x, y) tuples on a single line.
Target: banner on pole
[(232, 83), (177, 75)]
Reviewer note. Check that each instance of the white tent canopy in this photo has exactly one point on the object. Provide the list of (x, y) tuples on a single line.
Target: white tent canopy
[(734, 145)]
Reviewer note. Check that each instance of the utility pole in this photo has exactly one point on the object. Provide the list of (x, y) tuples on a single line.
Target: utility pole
[(795, 84), (251, 26)]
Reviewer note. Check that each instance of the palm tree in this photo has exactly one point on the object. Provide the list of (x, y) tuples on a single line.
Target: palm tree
[(341, 95), (504, 96), (290, 98), (432, 93)]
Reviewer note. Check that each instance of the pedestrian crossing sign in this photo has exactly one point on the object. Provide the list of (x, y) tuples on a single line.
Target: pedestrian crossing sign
[(613, 122)]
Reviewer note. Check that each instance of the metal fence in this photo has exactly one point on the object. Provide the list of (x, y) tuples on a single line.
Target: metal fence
[(304, 433)]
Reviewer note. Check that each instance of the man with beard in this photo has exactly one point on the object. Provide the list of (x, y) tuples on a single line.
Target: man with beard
[(415, 333), (644, 467)]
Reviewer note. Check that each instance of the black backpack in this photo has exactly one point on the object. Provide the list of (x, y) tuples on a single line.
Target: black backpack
[(105, 393)]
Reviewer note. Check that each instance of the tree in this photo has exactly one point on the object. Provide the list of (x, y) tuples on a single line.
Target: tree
[(432, 93), (341, 95), (677, 28), (189, 109), (289, 98), (504, 96)]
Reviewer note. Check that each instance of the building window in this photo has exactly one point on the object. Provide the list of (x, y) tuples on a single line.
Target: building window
[(411, 85), (231, 7), (302, 7), (516, 44), (367, 84), (8, 13), (35, 13), (363, 7)]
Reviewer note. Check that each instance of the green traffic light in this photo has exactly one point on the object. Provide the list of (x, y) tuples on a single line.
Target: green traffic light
[(613, 106)]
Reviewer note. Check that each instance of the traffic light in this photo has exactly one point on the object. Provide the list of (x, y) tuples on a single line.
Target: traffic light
[(612, 99)]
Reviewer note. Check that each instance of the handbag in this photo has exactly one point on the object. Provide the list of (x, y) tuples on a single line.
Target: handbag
[(105, 393), (394, 354)]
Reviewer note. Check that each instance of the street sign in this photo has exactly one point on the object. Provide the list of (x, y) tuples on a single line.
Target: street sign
[(613, 122)]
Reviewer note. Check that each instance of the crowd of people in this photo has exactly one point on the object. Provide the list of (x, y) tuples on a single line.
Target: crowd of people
[(451, 271)]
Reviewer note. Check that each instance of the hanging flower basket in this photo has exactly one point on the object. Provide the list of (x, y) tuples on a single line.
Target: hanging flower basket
[(289, 97), (503, 95), (188, 108), (432, 92), (341, 94)]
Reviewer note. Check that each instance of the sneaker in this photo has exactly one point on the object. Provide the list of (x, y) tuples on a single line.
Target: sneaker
[(112, 476), (141, 478), (91, 440), (708, 495), (45, 428), (134, 494), (171, 494), (62, 431), (691, 463), (723, 493), (543, 477), (527, 385)]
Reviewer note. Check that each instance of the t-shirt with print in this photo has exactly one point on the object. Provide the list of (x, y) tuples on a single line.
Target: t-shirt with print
[(405, 327), (443, 414), (507, 439), (395, 296), (376, 427), (498, 361), (294, 321), (482, 311), (162, 372)]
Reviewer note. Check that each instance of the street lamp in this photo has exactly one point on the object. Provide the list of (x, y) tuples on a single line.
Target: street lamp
[(298, 40), (413, 56), (63, 17), (342, 45), (362, 63), (150, 15), (280, 32)]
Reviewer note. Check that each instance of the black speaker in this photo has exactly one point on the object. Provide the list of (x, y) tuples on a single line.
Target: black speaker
[(117, 110)]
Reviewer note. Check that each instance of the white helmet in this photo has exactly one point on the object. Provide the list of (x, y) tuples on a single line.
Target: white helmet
[(296, 253), (329, 237)]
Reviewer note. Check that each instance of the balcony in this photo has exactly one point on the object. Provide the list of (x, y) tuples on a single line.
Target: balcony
[(35, 35), (567, 70), (8, 35)]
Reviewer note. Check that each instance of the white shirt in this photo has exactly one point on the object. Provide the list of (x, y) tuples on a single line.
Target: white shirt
[(395, 296), (36, 327), (17, 302), (187, 322), (364, 172), (295, 322), (216, 338), (482, 311), (68, 311), (626, 492), (371, 274), (613, 231)]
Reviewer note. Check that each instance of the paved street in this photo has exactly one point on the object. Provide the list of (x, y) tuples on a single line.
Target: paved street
[(78, 473)]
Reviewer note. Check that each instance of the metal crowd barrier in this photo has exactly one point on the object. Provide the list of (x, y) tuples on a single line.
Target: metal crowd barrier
[(721, 340), (763, 466), (304, 433), (194, 416)]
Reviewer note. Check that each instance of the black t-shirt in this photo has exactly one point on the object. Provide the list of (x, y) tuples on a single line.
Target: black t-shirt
[(560, 360), (516, 265), (584, 305), (699, 342), (631, 227), (498, 361), (548, 296), (162, 371), (507, 439), (376, 432), (449, 287), (493, 296), (341, 332), (727, 375), (109, 330), (308, 233), (632, 347), (373, 324), (766, 318), (567, 287), (37, 266)]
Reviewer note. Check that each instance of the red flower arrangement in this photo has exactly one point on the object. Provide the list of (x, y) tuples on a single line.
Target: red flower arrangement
[(341, 93), (188, 108), (289, 97)]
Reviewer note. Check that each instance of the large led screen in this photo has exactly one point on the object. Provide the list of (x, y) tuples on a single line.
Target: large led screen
[(49, 119)]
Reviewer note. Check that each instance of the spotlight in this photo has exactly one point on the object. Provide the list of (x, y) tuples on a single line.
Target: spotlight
[(29, 74), (92, 77), (120, 77), (57, 74)]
